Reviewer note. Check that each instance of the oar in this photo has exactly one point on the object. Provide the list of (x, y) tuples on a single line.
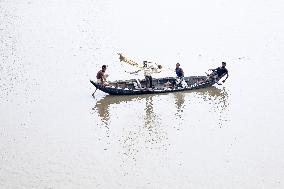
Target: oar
[(94, 93)]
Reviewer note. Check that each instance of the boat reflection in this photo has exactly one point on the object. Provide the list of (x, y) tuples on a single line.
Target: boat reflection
[(179, 103), (103, 105), (151, 119), (146, 130), (218, 97), (150, 135)]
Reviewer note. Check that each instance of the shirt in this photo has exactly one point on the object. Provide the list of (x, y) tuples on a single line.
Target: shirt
[(179, 72), (221, 71)]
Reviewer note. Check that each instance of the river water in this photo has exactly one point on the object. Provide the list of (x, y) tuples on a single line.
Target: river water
[(54, 134)]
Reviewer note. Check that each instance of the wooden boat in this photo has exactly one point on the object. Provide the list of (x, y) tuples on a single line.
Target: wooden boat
[(160, 85)]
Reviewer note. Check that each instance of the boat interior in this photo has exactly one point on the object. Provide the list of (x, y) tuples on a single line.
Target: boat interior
[(159, 83)]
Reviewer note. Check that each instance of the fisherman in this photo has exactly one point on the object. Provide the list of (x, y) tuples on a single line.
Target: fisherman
[(179, 71), (101, 76), (180, 76), (219, 72), (148, 71)]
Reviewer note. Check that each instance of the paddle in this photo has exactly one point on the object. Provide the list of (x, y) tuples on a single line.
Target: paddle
[(94, 93)]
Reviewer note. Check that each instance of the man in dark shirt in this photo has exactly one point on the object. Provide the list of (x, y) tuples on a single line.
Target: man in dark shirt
[(179, 71), (219, 72), (180, 75), (101, 76)]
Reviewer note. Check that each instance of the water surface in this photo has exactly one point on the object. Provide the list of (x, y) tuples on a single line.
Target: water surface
[(54, 134)]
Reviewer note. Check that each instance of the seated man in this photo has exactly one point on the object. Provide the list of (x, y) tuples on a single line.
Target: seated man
[(101, 76), (179, 71), (219, 72), (179, 82)]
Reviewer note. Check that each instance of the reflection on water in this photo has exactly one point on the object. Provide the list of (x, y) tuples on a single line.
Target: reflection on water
[(217, 97), (103, 106), (145, 124), (148, 135), (151, 119), (179, 103)]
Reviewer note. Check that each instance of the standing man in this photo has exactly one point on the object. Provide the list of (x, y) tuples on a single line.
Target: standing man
[(148, 72), (101, 76)]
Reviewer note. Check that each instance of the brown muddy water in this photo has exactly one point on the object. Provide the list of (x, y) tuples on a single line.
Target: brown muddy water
[(54, 134)]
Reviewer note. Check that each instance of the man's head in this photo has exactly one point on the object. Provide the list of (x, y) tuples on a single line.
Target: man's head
[(104, 67), (160, 66), (177, 65), (224, 64)]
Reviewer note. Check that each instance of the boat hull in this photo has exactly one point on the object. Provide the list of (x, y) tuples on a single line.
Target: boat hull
[(128, 87)]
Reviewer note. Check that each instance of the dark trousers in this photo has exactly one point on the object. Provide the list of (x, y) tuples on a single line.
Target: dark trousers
[(149, 80)]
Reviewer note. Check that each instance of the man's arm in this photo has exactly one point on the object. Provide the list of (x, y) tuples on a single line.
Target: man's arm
[(226, 77), (213, 69), (157, 70), (134, 72)]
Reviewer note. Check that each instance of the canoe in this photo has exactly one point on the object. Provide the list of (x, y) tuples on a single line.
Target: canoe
[(161, 85)]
